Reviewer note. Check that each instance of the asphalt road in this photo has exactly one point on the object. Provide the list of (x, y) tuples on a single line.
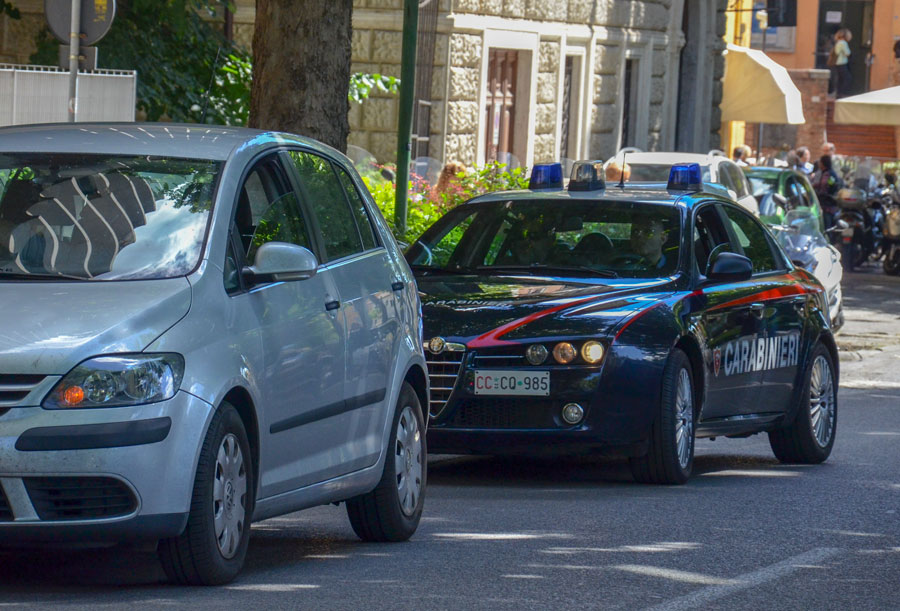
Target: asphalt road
[(744, 533)]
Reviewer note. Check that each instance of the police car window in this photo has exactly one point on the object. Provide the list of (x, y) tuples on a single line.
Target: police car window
[(752, 239), (443, 249), (324, 194), (626, 239), (708, 235)]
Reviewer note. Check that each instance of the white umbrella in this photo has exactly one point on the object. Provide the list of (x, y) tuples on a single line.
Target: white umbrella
[(880, 107), (758, 90)]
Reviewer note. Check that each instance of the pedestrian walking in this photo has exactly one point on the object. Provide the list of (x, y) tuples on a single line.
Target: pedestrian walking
[(839, 63), (826, 184)]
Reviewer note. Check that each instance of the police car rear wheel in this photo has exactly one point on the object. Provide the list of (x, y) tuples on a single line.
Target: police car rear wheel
[(391, 512), (670, 457), (810, 437)]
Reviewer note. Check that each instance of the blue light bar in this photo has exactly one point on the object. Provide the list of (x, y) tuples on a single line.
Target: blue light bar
[(685, 177), (546, 176), (587, 176)]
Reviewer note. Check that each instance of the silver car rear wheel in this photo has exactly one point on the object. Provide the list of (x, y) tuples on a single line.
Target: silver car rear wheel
[(408, 461)]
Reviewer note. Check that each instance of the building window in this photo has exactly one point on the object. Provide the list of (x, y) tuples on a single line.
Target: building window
[(630, 103), (500, 106)]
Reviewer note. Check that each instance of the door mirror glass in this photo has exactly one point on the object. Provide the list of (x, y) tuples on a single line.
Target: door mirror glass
[(728, 267), (281, 262)]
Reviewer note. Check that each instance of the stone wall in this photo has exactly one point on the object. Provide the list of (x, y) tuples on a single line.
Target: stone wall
[(641, 14), (17, 36), (462, 97), (547, 99), (813, 86)]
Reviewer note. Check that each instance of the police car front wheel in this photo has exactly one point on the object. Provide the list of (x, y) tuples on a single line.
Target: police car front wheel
[(810, 437), (671, 454)]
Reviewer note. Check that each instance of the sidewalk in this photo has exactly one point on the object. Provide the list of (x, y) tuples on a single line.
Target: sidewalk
[(869, 342)]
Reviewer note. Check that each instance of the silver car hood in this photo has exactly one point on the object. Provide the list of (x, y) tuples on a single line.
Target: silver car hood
[(49, 327)]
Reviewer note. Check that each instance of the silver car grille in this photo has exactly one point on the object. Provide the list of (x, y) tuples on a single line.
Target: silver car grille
[(443, 371), (14, 388)]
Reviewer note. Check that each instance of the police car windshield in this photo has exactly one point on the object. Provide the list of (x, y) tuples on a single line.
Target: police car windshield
[(553, 238), (655, 172)]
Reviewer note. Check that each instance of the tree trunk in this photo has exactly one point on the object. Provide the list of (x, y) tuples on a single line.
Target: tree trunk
[(301, 68)]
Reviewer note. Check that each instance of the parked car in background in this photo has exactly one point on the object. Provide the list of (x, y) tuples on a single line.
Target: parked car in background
[(789, 206), (203, 327), (716, 168)]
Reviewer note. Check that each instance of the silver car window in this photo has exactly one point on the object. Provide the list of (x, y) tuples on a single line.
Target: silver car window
[(103, 217)]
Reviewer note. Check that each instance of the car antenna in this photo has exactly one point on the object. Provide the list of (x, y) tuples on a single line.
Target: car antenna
[(621, 184), (212, 77)]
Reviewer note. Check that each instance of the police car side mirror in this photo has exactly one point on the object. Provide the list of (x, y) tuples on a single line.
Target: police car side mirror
[(729, 267)]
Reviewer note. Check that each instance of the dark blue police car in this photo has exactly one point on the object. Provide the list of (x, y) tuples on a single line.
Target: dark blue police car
[(620, 319)]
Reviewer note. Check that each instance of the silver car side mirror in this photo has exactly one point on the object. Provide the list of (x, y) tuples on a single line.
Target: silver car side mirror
[(281, 262)]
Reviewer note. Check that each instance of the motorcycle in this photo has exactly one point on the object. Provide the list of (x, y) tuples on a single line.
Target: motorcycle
[(891, 244), (807, 247), (861, 239)]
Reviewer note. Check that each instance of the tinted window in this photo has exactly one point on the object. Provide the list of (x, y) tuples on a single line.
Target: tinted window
[(324, 194), (545, 237), (359, 209), (708, 236), (752, 239)]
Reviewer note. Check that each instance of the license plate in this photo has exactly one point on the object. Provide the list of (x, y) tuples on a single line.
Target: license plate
[(495, 382)]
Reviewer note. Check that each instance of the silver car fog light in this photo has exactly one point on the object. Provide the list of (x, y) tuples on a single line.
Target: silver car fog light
[(572, 413)]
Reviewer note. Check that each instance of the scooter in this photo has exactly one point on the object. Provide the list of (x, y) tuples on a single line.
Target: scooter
[(862, 236), (891, 243)]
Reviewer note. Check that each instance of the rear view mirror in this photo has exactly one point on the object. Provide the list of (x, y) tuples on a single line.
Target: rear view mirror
[(728, 267), (281, 262)]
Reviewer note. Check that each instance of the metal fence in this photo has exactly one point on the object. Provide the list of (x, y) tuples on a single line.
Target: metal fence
[(40, 94)]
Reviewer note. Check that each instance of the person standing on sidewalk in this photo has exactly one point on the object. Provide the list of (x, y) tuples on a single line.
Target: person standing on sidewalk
[(839, 61)]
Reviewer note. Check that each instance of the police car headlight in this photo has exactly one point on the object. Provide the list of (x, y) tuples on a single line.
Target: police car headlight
[(592, 352), (564, 353), (536, 354), (117, 381)]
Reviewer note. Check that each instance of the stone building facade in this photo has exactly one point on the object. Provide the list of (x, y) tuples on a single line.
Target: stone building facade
[(590, 77)]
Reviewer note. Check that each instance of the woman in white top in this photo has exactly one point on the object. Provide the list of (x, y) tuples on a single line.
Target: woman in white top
[(841, 68)]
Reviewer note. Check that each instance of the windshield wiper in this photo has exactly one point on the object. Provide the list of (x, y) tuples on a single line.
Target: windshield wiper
[(541, 267), (38, 276), (441, 270)]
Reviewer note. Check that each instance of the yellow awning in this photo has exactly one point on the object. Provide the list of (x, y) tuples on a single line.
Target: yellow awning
[(758, 90), (880, 107)]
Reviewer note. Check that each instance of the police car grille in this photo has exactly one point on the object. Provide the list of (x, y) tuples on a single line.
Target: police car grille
[(79, 498), (15, 387), (503, 414), (500, 360), (443, 370), (5, 512)]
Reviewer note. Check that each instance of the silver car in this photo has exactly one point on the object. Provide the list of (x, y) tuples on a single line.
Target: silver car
[(203, 327)]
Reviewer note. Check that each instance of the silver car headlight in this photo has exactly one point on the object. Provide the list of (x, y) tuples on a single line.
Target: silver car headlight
[(117, 381)]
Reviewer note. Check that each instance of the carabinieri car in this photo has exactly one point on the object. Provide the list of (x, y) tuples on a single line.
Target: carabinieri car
[(620, 319)]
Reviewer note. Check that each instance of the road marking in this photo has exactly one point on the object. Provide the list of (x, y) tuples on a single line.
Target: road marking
[(747, 580), (865, 384)]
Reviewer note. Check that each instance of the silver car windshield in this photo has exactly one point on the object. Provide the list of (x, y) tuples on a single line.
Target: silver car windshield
[(102, 217)]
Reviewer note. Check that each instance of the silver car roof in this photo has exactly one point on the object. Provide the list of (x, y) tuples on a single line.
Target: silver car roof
[(212, 142)]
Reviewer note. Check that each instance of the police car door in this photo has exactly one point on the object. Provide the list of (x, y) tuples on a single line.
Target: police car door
[(780, 306), (728, 320)]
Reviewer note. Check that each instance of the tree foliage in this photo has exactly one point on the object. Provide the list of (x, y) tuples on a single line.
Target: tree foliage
[(173, 45)]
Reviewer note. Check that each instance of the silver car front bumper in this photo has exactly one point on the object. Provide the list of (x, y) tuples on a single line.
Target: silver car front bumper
[(99, 474)]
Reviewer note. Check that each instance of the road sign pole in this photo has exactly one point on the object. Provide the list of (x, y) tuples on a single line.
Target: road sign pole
[(74, 51), (407, 101)]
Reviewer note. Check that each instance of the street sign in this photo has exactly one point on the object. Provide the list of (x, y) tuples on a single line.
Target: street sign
[(96, 19)]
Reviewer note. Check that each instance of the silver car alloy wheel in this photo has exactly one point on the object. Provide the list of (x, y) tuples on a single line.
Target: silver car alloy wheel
[(408, 461), (684, 418), (821, 401), (229, 496)]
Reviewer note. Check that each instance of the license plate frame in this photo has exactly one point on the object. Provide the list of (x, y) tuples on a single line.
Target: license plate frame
[(512, 383)]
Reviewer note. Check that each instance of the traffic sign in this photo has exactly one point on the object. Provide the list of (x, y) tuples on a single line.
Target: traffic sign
[(96, 19)]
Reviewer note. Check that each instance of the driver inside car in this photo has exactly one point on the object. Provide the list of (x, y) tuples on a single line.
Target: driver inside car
[(647, 238)]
